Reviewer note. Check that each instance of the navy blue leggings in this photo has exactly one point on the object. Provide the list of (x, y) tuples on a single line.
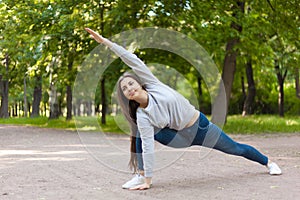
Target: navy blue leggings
[(203, 133)]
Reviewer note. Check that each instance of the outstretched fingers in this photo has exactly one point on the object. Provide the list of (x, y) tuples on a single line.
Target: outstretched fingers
[(95, 35)]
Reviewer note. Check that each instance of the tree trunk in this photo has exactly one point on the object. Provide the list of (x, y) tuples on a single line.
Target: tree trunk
[(103, 101), (69, 91), (199, 81), (78, 108), (29, 107), (15, 110), (243, 87), (229, 67), (89, 108), (103, 95), (37, 97), (280, 79), (297, 84), (69, 102), (54, 110), (20, 108), (228, 72), (249, 101), (227, 77), (74, 110), (4, 84), (60, 102), (45, 109), (25, 98), (97, 108)]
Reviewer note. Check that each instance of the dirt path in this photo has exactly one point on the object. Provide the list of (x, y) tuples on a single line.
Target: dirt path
[(50, 164)]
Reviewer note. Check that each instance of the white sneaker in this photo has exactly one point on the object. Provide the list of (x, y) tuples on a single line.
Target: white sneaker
[(274, 169), (135, 181)]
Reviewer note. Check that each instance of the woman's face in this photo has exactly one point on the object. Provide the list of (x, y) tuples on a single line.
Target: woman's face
[(130, 88)]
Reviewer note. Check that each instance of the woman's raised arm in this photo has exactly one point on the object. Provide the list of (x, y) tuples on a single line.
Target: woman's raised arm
[(136, 64)]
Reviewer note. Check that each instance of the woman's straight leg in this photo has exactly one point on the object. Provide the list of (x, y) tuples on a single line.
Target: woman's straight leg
[(215, 138)]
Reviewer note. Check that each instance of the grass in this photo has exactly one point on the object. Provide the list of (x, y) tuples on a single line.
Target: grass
[(236, 124), (262, 124), (60, 123), (77, 123)]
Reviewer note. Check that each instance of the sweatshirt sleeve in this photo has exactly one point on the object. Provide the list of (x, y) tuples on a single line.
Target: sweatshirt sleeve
[(136, 64), (147, 136)]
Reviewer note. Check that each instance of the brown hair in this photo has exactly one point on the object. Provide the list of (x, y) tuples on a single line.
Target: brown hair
[(129, 108)]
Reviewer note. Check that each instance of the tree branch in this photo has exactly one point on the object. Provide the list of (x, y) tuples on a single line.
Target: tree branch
[(271, 5)]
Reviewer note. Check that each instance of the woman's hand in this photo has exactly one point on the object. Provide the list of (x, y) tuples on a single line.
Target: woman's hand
[(96, 36), (144, 186)]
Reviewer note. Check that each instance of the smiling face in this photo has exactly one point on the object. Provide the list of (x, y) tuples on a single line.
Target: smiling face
[(130, 88)]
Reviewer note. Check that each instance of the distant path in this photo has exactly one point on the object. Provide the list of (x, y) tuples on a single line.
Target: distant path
[(50, 164)]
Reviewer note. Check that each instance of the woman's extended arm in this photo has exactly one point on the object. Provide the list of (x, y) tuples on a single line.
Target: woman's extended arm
[(138, 66)]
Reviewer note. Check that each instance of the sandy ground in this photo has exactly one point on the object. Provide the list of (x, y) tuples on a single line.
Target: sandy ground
[(50, 164)]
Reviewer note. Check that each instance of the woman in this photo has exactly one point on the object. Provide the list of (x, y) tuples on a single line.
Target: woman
[(172, 121)]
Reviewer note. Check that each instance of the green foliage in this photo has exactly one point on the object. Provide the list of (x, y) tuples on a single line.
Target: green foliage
[(292, 105), (47, 38)]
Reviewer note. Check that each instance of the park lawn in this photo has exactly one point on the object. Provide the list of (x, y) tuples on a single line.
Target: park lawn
[(77, 123), (262, 124), (236, 124)]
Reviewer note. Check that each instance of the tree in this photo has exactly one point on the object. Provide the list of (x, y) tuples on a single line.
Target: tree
[(243, 38), (229, 66), (283, 43), (297, 83), (249, 100), (4, 90)]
